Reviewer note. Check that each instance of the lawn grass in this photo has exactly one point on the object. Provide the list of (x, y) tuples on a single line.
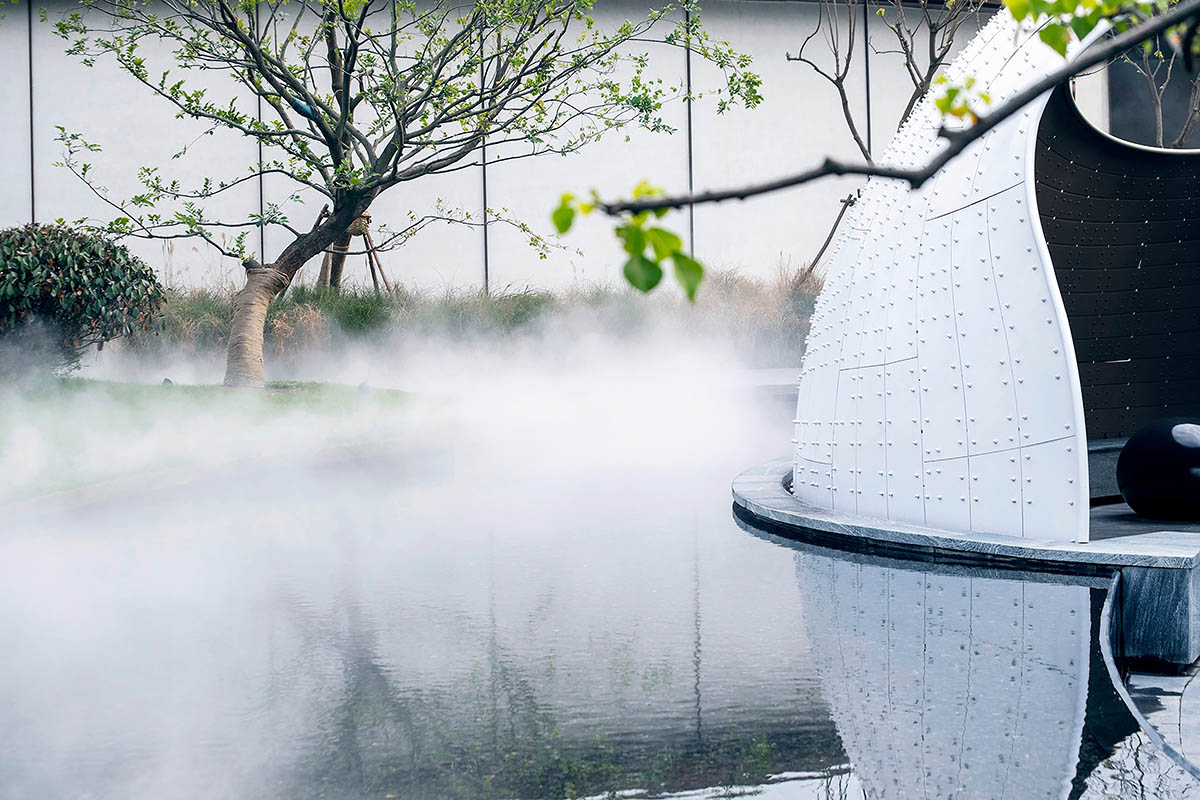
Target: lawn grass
[(280, 396), (63, 434)]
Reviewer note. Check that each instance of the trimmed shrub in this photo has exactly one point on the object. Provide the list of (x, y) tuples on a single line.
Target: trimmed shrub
[(83, 288)]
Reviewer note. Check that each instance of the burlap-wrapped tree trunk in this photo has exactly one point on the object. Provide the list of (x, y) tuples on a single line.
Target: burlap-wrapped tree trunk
[(244, 356), (244, 364)]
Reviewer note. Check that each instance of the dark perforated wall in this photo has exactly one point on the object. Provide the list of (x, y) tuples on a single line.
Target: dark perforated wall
[(1123, 227)]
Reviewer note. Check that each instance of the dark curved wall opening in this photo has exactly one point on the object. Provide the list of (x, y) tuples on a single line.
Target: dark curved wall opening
[(1131, 114), (1122, 224)]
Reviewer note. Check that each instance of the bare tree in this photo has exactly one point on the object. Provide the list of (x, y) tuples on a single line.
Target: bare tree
[(924, 33), (1193, 116), (837, 27), (1183, 14), (1155, 64)]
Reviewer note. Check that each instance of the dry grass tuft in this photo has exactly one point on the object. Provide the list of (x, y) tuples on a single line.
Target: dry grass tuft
[(302, 327)]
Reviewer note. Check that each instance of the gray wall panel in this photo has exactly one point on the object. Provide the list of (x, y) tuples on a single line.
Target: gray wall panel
[(529, 188), (15, 167), (135, 129), (798, 124)]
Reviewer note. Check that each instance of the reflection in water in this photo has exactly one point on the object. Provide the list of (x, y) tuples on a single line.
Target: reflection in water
[(466, 656), (471, 650), (1138, 770), (950, 685), (955, 683), (494, 732)]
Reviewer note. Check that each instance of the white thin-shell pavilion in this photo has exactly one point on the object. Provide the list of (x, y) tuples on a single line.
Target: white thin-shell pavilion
[(940, 384)]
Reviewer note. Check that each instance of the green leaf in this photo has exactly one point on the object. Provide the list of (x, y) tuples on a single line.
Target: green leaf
[(642, 273), (1019, 8), (1082, 25), (563, 217), (689, 273), (665, 243), (634, 239), (1056, 35), (645, 189)]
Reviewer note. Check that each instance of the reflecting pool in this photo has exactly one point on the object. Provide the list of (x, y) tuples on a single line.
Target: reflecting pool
[(475, 611), (956, 682)]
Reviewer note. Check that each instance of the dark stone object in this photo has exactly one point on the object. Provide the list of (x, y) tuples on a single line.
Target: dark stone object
[(1158, 471)]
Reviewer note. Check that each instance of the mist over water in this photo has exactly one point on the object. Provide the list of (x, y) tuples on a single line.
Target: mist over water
[(578, 392), (517, 577), (520, 580)]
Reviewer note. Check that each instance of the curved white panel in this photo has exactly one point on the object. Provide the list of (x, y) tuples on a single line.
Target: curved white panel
[(939, 385)]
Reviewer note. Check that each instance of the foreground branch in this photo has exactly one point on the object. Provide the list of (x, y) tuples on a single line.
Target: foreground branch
[(957, 139)]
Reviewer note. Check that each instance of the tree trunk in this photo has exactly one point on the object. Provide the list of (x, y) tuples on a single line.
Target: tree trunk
[(333, 262), (1158, 121), (244, 360), (337, 260), (323, 277)]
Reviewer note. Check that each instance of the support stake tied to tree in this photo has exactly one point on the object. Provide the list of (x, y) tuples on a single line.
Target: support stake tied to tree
[(334, 261)]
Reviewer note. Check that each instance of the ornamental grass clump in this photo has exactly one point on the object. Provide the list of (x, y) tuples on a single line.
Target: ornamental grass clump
[(79, 288)]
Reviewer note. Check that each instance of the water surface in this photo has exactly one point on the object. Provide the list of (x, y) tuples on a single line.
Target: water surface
[(535, 594)]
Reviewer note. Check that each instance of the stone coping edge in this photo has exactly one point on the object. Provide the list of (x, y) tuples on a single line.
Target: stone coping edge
[(762, 493), (1107, 642)]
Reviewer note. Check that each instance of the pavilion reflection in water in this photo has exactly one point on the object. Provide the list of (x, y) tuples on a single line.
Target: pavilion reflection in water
[(952, 685)]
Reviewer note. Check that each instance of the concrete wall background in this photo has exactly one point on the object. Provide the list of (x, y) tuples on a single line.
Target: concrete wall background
[(798, 123), (16, 202)]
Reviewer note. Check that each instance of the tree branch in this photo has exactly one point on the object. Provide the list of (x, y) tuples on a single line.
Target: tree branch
[(957, 139), (827, 20)]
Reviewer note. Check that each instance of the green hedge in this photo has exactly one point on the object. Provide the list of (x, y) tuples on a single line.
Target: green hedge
[(84, 288)]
